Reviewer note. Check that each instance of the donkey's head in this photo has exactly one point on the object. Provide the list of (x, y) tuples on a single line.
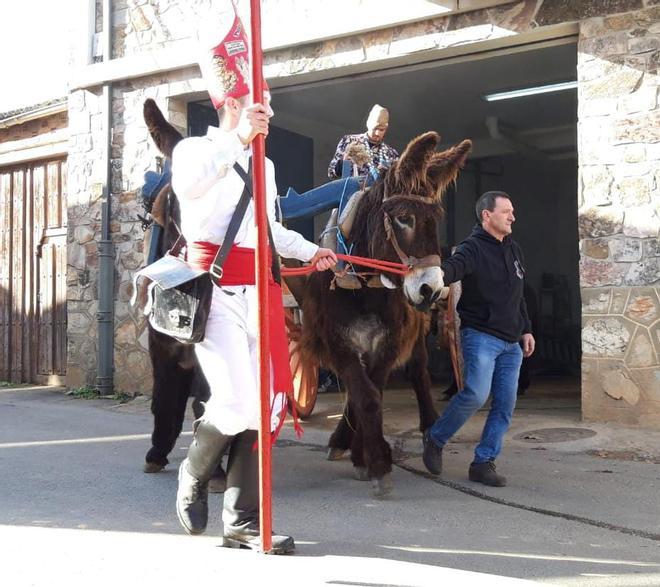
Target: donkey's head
[(165, 208), (400, 219)]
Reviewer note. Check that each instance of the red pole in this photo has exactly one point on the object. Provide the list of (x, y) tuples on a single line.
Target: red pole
[(262, 272)]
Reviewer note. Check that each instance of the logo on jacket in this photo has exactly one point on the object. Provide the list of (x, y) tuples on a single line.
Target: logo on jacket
[(520, 272)]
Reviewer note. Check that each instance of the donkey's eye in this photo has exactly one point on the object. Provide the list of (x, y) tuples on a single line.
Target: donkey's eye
[(405, 221)]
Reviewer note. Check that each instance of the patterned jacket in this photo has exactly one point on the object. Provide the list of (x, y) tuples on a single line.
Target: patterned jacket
[(382, 155)]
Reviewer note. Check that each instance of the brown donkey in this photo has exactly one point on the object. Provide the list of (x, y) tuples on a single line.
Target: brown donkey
[(363, 334)]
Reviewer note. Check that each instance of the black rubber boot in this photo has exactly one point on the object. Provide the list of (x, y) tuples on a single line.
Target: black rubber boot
[(485, 473), (250, 538), (204, 455), (218, 481), (432, 455), (241, 500)]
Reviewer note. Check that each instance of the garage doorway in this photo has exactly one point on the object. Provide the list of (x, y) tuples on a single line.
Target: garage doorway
[(526, 146)]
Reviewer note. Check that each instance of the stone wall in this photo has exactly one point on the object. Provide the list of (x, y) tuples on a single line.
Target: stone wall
[(132, 154), (84, 210), (619, 215), (145, 25), (443, 32)]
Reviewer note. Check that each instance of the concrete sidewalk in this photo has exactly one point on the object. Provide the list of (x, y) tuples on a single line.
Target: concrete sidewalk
[(605, 475), (75, 506)]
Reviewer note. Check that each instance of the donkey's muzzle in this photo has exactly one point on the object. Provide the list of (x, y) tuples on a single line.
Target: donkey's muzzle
[(428, 297), (423, 286)]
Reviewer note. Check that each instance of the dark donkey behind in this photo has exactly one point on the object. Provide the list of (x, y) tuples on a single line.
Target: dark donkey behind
[(176, 373), (363, 334)]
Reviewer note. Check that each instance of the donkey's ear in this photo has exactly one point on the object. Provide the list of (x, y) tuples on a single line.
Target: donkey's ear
[(444, 166), (411, 166), (162, 132)]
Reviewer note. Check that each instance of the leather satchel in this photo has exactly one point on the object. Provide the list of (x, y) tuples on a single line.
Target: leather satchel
[(181, 311), (179, 296)]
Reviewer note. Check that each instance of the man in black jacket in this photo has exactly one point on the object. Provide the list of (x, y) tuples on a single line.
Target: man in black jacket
[(495, 335)]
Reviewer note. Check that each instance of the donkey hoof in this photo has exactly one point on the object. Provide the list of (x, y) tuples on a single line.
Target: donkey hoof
[(153, 467), (360, 473), (335, 454), (382, 486)]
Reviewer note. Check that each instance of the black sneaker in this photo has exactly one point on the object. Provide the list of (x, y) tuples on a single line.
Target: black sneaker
[(191, 502), (432, 455), (485, 473)]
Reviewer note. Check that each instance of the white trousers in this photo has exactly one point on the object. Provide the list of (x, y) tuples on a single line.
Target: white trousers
[(228, 358)]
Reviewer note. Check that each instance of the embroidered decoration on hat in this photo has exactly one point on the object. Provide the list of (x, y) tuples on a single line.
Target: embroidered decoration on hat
[(226, 77)]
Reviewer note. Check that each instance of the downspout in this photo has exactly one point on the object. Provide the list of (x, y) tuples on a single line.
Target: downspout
[(106, 283)]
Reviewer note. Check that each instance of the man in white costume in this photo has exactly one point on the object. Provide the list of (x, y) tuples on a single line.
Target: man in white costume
[(208, 189)]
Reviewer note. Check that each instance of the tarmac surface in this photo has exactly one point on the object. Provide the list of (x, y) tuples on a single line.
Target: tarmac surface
[(75, 506)]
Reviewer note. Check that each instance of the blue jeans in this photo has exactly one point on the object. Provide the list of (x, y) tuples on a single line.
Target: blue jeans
[(491, 366)]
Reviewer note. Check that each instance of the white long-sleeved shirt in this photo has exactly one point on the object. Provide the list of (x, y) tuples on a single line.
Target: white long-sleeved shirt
[(209, 189)]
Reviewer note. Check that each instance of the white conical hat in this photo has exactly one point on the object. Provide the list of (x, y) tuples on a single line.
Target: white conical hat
[(224, 56), (379, 115)]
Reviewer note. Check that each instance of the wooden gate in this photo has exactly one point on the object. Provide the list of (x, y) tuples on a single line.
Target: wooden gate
[(33, 272)]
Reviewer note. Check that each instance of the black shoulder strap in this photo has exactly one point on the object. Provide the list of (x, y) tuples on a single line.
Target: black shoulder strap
[(275, 268), (234, 224)]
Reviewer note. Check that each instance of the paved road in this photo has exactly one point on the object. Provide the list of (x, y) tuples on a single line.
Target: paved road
[(75, 507)]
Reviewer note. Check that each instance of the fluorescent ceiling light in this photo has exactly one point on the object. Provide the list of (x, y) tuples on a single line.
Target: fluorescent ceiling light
[(522, 92)]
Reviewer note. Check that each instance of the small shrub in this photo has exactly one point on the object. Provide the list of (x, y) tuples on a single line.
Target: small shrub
[(84, 392)]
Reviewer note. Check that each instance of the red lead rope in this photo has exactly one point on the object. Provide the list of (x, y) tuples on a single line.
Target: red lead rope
[(385, 266)]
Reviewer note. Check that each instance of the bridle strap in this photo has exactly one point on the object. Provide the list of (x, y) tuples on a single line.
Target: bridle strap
[(413, 198), (391, 236), (411, 262)]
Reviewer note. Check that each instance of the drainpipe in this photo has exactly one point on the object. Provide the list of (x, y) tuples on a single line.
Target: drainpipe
[(106, 283)]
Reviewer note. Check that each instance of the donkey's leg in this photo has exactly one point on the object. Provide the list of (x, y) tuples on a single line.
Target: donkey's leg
[(168, 402), (360, 471), (185, 388), (379, 374), (366, 398), (341, 439), (421, 382), (200, 391)]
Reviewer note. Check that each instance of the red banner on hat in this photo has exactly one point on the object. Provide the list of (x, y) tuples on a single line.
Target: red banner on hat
[(230, 67)]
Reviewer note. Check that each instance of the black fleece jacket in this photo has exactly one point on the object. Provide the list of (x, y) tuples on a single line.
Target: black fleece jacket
[(492, 274)]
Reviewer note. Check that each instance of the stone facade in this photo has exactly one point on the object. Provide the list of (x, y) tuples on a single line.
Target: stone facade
[(621, 346), (132, 154), (84, 210), (619, 149), (145, 25), (619, 215)]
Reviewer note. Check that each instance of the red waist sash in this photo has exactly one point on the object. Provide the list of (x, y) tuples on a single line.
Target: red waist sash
[(239, 269)]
